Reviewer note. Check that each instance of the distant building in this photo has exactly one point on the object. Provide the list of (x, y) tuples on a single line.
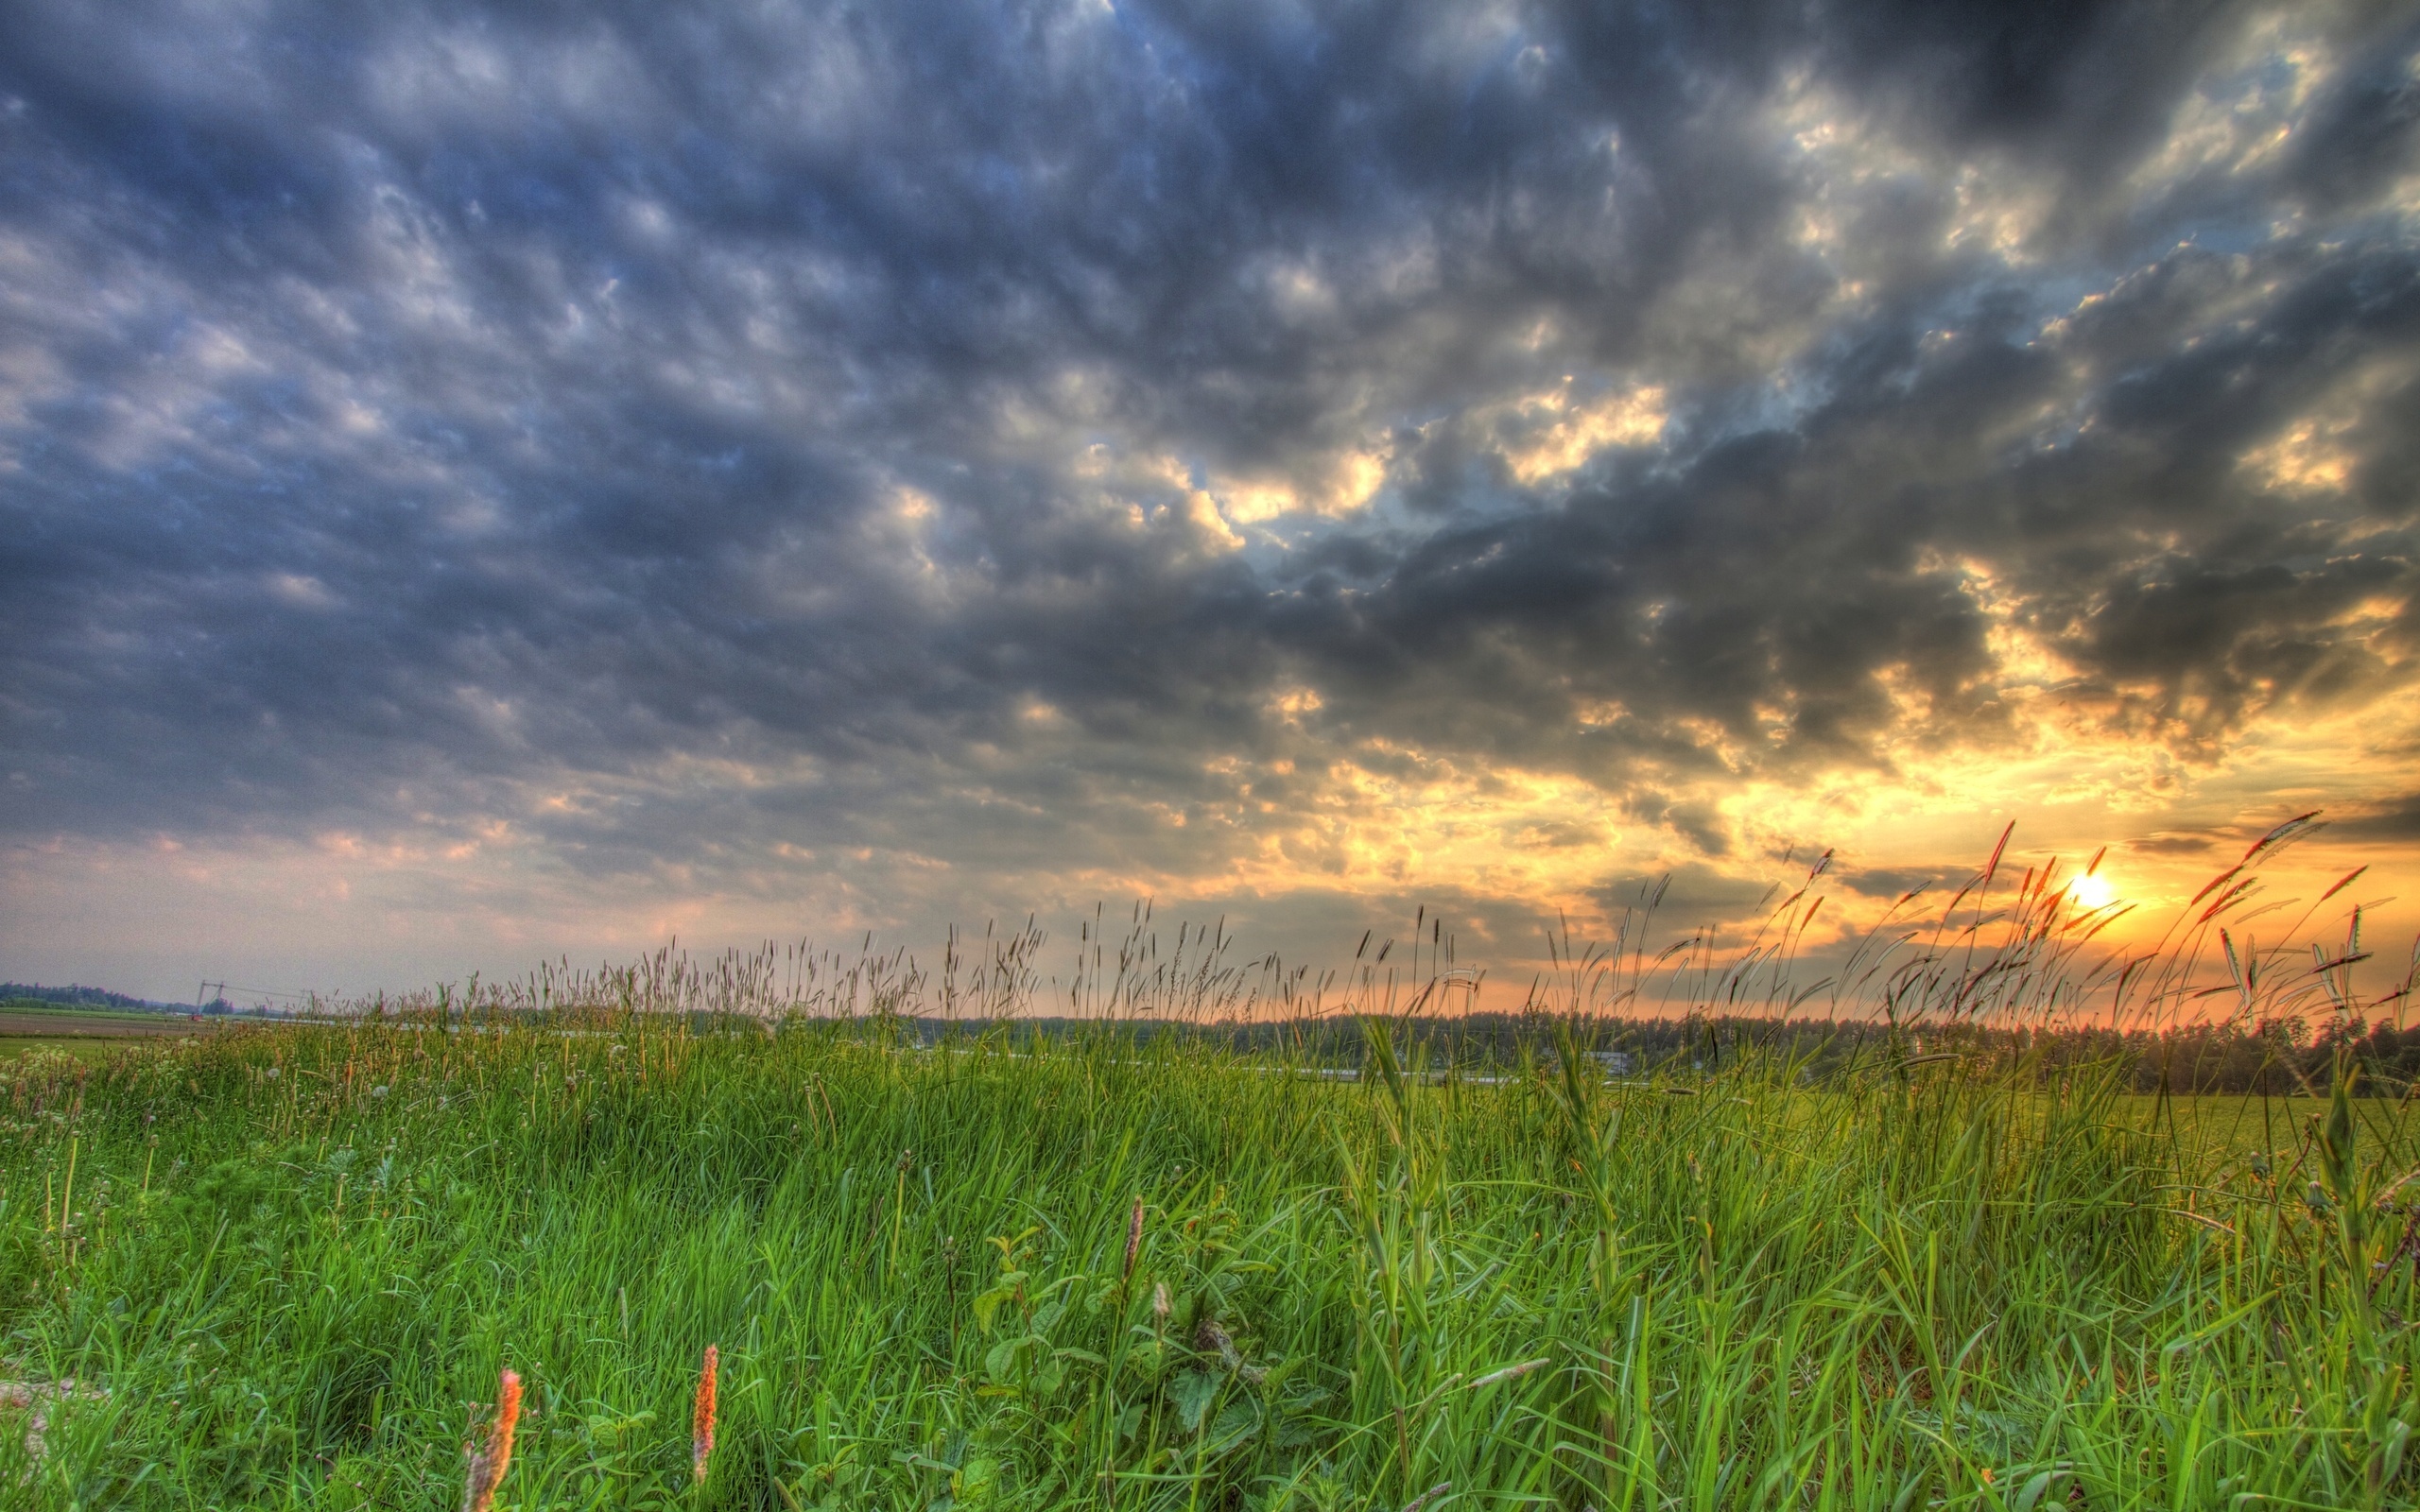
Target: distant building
[(1614, 1062)]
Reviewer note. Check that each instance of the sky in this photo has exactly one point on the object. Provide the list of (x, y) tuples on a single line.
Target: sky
[(486, 483)]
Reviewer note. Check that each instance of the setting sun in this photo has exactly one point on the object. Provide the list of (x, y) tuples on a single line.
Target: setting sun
[(2092, 892)]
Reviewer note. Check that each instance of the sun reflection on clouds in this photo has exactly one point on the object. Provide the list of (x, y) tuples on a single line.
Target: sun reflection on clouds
[(1557, 430)]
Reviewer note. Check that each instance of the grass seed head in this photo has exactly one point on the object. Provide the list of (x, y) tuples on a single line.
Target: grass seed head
[(1133, 1240), (1210, 1338), (1429, 1495)]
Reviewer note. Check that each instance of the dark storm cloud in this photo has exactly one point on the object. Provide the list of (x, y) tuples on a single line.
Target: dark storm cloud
[(1893, 883), (2396, 822), (2173, 845), (1764, 584), (802, 423), (1687, 898)]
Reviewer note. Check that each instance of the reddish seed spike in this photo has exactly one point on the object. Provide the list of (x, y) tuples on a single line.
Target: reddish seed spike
[(2280, 832), (1133, 1239), (702, 1422), (1992, 867), (488, 1464)]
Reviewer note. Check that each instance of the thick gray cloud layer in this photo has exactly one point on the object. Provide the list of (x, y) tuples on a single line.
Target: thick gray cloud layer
[(980, 433)]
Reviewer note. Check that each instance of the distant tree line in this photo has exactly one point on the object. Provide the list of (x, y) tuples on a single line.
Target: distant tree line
[(2279, 1056), (72, 996)]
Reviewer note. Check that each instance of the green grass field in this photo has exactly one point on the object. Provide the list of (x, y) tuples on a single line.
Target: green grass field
[(283, 1267), (25, 1023), (30, 1028), (94, 1049)]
